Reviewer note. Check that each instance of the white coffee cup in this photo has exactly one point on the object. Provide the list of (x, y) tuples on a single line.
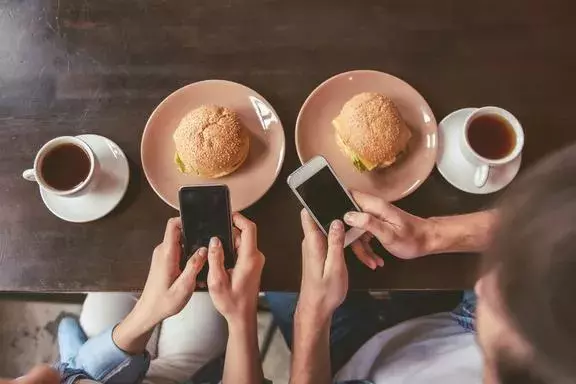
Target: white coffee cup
[(35, 174), (483, 164)]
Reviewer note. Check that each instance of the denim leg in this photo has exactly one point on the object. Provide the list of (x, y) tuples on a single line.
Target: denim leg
[(406, 305), (465, 313), (358, 319), (283, 305), (70, 338), (353, 323)]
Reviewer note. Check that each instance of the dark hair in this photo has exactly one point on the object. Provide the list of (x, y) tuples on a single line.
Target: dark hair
[(534, 255)]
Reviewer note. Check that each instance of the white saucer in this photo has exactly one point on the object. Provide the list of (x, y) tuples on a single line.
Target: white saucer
[(109, 188), (456, 169)]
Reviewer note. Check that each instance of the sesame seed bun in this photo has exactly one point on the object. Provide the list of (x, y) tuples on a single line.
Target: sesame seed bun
[(211, 142), (371, 131)]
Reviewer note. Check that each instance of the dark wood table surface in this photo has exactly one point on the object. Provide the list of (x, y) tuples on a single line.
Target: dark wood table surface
[(70, 67)]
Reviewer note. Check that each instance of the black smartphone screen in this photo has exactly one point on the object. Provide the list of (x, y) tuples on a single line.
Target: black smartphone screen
[(325, 197), (205, 212)]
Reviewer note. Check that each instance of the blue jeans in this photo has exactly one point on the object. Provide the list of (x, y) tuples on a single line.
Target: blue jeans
[(361, 316), (71, 338), (98, 358)]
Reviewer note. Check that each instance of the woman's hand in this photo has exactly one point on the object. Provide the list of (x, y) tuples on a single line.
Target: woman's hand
[(166, 292), (235, 293)]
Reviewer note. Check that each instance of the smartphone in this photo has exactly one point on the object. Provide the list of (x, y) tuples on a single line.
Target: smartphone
[(205, 212), (323, 195)]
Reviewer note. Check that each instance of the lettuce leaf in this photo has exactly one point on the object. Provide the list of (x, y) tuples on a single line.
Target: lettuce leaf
[(179, 163), (359, 164)]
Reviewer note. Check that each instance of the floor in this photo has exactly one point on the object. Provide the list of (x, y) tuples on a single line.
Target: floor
[(28, 337)]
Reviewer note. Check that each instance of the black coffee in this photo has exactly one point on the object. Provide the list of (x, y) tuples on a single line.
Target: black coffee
[(491, 136), (65, 166)]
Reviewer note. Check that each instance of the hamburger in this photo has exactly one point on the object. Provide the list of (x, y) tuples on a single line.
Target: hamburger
[(370, 131), (211, 142)]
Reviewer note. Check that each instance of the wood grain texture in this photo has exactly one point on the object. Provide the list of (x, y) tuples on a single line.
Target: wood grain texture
[(70, 67)]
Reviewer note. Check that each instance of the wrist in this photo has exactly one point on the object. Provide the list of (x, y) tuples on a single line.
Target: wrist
[(137, 323), (311, 325), (132, 333), (460, 233), (244, 312), (434, 238), (242, 325), (142, 319), (312, 312)]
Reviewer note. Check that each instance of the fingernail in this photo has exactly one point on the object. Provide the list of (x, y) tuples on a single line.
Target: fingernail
[(337, 225), (203, 252), (380, 262), (214, 242), (349, 217)]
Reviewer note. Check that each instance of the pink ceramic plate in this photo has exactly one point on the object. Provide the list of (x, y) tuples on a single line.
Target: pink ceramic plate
[(315, 133), (251, 181)]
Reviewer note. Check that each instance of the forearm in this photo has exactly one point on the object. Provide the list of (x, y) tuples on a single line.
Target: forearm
[(133, 333), (311, 349), (242, 364), (462, 233)]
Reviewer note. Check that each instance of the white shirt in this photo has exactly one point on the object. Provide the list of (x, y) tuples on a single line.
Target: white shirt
[(430, 349)]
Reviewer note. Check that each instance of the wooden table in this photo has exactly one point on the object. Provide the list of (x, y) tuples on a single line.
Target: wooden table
[(70, 67)]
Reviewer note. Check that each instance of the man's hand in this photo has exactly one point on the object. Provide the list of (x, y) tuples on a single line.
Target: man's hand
[(364, 252), (235, 296), (404, 235), (324, 288), (324, 272), (407, 236), (166, 292)]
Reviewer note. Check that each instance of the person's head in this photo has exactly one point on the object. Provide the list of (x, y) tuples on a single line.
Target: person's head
[(41, 374), (527, 293)]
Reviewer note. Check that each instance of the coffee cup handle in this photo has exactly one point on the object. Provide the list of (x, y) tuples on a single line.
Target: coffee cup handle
[(481, 175), (29, 175)]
